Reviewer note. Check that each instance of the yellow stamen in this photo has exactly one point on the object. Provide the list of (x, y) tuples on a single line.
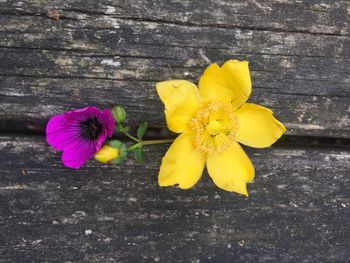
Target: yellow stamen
[(215, 126)]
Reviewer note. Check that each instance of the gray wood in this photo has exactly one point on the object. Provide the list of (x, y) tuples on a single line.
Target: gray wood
[(317, 16), (26, 98), (106, 53), (298, 209), (313, 69), (103, 33)]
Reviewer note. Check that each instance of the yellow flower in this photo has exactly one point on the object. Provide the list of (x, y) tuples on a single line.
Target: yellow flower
[(212, 119), (106, 154)]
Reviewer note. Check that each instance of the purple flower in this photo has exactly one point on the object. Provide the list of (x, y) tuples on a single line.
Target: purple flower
[(79, 134)]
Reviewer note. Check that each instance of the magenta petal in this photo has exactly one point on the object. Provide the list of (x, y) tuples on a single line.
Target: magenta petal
[(58, 135), (107, 120), (80, 152), (101, 139), (82, 114)]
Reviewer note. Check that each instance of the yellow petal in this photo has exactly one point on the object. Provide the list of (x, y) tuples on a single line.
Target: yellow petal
[(213, 85), (231, 170), (106, 154), (237, 76), (181, 100), (230, 83), (257, 126), (182, 164)]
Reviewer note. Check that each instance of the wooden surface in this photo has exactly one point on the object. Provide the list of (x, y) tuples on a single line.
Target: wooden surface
[(297, 209), (112, 52), (106, 55)]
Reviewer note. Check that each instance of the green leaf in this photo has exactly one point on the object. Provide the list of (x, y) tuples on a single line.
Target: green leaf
[(119, 160), (142, 130), (123, 151), (115, 144), (138, 153)]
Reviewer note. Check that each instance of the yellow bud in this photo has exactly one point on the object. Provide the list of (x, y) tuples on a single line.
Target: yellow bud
[(106, 154)]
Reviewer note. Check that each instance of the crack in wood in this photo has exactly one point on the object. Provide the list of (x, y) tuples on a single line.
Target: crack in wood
[(37, 128)]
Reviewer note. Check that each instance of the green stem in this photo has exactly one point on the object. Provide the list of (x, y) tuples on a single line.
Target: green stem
[(133, 147), (130, 136), (148, 142), (127, 134)]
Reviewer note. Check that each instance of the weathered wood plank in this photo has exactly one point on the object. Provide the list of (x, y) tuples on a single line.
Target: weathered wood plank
[(24, 98), (313, 69), (324, 76), (298, 209), (317, 16), (105, 34)]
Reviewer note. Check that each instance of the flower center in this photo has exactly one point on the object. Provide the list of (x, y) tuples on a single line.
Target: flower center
[(215, 126), (90, 129)]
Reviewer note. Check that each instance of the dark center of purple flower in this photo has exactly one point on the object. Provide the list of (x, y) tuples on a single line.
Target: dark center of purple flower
[(90, 129)]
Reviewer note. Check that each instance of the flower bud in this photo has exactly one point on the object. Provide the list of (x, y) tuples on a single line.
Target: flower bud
[(122, 151), (119, 114), (106, 154)]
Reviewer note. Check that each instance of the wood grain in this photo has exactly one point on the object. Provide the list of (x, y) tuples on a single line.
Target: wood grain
[(26, 98), (317, 16), (108, 53), (298, 209)]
